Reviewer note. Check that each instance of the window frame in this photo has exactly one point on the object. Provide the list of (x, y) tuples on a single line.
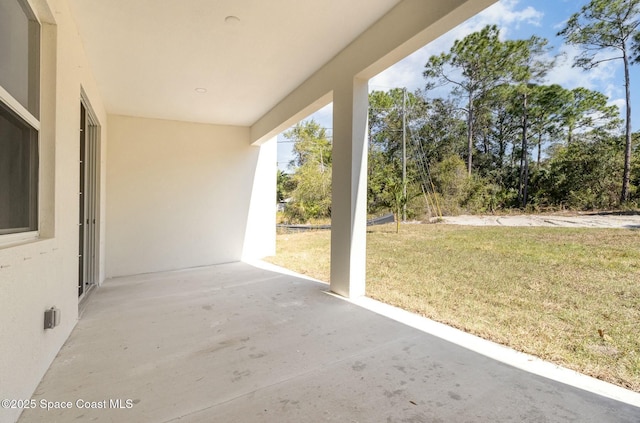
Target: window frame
[(29, 118)]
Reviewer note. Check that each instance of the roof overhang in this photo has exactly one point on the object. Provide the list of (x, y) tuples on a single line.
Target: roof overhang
[(248, 62)]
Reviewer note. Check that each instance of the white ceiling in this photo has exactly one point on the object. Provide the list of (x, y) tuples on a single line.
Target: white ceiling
[(150, 56)]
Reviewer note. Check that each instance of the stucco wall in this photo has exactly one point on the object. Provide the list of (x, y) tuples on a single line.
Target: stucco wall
[(39, 274), (179, 194)]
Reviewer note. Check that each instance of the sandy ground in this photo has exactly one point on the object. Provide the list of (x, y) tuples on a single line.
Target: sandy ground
[(601, 220)]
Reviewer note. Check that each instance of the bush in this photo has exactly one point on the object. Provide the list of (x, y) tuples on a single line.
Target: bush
[(584, 175), (458, 193), (311, 198)]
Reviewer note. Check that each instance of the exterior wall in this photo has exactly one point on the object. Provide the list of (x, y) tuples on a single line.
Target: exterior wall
[(42, 273), (180, 195)]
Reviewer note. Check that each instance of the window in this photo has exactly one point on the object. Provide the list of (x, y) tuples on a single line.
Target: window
[(19, 114), (18, 174)]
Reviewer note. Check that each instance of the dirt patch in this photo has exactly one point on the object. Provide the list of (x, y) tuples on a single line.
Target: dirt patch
[(600, 220)]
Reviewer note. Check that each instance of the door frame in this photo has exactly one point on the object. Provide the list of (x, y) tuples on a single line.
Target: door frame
[(88, 198)]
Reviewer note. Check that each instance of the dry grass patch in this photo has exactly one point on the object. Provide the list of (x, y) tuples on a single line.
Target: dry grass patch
[(571, 296)]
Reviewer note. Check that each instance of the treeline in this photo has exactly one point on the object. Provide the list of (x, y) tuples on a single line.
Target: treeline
[(497, 138)]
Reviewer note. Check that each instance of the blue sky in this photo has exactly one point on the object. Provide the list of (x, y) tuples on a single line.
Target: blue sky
[(517, 19)]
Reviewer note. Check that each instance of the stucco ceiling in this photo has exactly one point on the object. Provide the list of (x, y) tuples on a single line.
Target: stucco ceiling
[(151, 57)]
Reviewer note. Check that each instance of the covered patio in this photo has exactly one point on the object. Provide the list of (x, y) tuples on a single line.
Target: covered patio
[(149, 129), (239, 343)]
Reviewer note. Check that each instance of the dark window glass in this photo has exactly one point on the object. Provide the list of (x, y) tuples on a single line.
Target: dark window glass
[(18, 174)]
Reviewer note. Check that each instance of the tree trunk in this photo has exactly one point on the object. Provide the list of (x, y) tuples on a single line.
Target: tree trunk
[(624, 196), (398, 219), (470, 135), (524, 158), (539, 148), (502, 147), (485, 141)]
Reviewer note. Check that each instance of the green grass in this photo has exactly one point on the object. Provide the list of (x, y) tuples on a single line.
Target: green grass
[(570, 296)]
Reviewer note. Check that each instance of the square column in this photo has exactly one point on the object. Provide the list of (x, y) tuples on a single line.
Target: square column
[(349, 188), (260, 232)]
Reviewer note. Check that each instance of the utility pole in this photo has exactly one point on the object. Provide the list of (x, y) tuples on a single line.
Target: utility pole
[(404, 153)]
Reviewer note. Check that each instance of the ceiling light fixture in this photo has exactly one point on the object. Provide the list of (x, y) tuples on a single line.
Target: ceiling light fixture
[(201, 90)]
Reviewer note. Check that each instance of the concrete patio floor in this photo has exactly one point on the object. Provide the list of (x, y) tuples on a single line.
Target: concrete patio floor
[(237, 343)]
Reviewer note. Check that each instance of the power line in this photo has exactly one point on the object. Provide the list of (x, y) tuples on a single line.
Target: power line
[(425, 173)]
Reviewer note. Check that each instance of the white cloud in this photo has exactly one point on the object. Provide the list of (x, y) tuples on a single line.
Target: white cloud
[(621, 103), (604, 78), (504, 14), (323, 116), (406, 73)]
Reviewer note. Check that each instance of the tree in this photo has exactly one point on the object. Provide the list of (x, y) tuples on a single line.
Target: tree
[(480, 59), (601, 27), (586, 110), (441, 131), (311, 197), (311, 143), (546, 114), (284, 185), (503, 127), (392, 114), (528, 63), (586, 173)]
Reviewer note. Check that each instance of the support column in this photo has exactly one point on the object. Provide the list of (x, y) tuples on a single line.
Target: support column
[(260, 232), (349, 188)]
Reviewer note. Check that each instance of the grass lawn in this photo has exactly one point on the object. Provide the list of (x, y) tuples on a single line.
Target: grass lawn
[(570, 296)]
